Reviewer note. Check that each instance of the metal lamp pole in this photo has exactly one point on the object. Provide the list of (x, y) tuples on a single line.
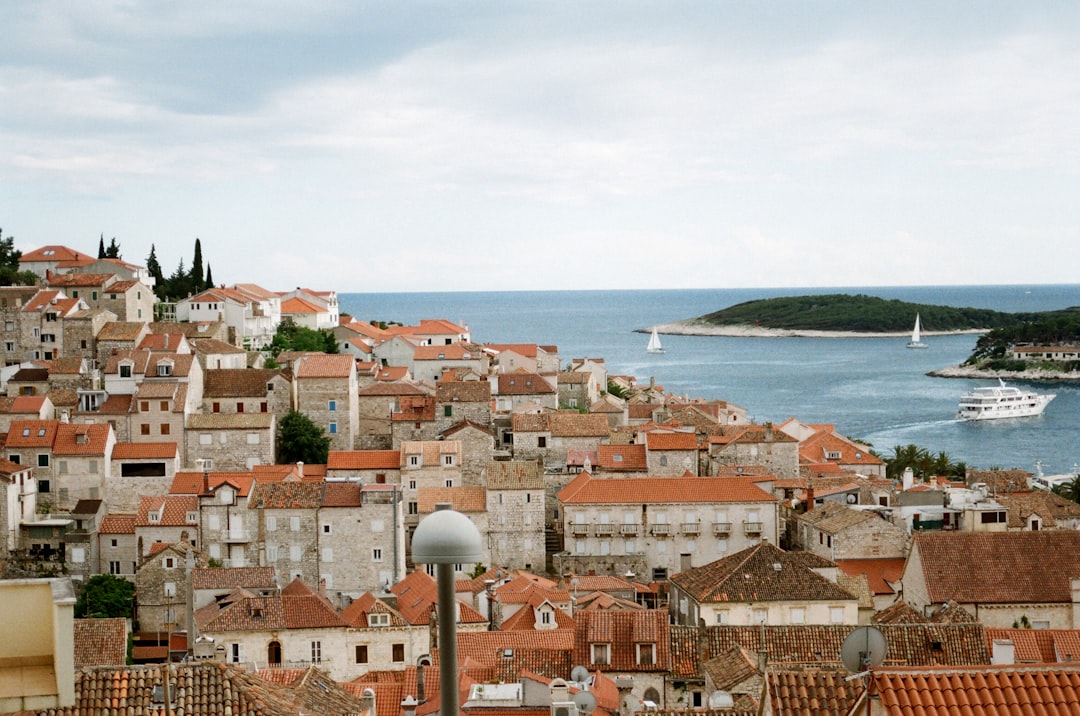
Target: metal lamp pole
[(445, 538)]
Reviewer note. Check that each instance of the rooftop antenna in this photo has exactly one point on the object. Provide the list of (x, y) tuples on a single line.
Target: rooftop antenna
[(579, 674), (585, 702)]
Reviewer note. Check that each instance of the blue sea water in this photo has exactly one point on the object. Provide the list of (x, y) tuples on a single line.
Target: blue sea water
[(870, 388)]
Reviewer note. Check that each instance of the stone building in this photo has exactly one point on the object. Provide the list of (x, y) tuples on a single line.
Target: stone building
[(548, 437), (168, 519), (376, 405), (477, 449), (361, 539), (837, 532), (287, 519), (326, 391), (762, 445), (118, 550), (515, 507), (671, 452), (368, 467), (433, 463), (247, 390), (163, 587), (140, 470), (460, 400), (230, 441)]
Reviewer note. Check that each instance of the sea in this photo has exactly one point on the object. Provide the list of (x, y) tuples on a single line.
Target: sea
[(872, 389)]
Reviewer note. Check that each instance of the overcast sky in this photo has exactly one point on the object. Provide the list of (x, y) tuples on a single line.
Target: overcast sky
[(409, 146)]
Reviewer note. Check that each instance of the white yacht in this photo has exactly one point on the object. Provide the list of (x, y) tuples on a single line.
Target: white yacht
[(1001, 401)]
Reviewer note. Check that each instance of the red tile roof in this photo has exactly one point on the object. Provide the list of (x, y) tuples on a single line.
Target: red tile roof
[(622, 631), (656, 440), (117, 525), (979, 691), (585, 489), (1039, 646), (100, 642), (998, 568), (363, 460), (622, 457), (173, 510), (233, 578), (879, 572), (81, 439), (31, 433), (191, 483), (316, 365), (145, 451)]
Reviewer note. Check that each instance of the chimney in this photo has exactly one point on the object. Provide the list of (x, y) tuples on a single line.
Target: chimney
[(909, 478), (322, 586), (625, 685), (810, 494), (300, 470)]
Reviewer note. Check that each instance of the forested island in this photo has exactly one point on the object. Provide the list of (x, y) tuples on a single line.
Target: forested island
[(862, 315)]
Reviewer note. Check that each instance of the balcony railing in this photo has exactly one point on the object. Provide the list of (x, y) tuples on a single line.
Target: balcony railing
[(579, 529), (691, 528), (721, 528), (752, 528), (605, 529), (629, 529), (661, 529)]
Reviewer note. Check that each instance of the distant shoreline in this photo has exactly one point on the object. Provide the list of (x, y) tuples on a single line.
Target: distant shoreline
[(689, 328)]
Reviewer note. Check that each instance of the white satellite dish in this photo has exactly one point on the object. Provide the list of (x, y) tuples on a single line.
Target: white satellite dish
[(863, 649), (721, 700), (585, 702), (579, 674)]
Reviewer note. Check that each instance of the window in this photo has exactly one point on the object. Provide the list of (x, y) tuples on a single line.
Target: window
[(646, 654), (326, 529), (169, 589), (376, 554), (206, 439), (798, 615), (44, 486), (217, 407), (722, 616), (169, 563), (125, 370), (333, 428), (316, 652), (397, 653), (271, 553), (239, 407), (414, 461), (331, 405), (601, 654), (78, 555), (114, 568), (264, 407), (169, 615), (448, 460), (165, 428), (192, 517), (253, 438), (153, 517), (541, 442), (414, 508), (236, 653), (448, 411), (164, 369), (328, 554), (112, 543), (144, 429), (295, 553), (836, 615), (378, 620), (294, 523), (271, 523), (43, 460), (449, 482), (163, 406), (361, 654)]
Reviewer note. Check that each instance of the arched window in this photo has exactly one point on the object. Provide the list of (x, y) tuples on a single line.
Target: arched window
[(651, 694), (273, 652)]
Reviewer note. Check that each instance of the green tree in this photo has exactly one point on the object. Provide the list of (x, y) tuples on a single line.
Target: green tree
[(101, 247), (209, 277), (153, 267), (105, 595), (10, 273), (301, 440), (113, 252), (198, 279), (1069, 490), (292, 337)]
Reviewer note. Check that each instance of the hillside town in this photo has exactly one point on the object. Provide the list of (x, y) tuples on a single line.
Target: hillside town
[(655, 552)]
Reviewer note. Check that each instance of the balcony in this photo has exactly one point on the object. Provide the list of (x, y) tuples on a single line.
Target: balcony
[(752, 528), (721, 528), (579, 529), (235, 536), (605, 529), (629, 529), (691, 528), (661, 529)]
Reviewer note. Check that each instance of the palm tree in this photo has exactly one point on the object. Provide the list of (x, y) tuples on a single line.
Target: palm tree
[(1069, 490)]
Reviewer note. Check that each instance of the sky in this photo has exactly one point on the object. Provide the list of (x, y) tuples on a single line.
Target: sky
[(449, 146)]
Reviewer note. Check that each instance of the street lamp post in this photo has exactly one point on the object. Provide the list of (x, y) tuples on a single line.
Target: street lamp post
[(445, 538)]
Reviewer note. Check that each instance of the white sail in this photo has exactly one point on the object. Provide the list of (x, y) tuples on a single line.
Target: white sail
[(915, 341), (654, 343)]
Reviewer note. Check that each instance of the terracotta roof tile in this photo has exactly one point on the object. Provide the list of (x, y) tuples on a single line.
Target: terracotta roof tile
[(622, 457), (514, 475), (81, 439), (521, 383), (463, 391), (145, 451), (287, 495), (233, 578), (117, 525), (1027, 567), (100, 642), (363, 460), (238, 382), (172, 510), (623, 631), (31, 433), (317, 365), (464, 499), (656, 440), (230, 421), (585, 489)]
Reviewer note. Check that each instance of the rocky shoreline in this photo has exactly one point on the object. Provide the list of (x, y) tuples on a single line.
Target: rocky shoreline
[(967, 371)]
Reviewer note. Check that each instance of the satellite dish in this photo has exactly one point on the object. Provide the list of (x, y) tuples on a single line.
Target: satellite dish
[(585, 702), (721, 700), (863, 649), (579, 674)]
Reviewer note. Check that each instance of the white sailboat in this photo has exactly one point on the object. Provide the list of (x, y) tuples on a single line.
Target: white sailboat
[(654, 343), (915, 342)]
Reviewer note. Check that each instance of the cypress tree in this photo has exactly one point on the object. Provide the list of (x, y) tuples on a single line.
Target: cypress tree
[(101, 247), (198, 280), (209, 277), (113, 252), (154, 268)]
